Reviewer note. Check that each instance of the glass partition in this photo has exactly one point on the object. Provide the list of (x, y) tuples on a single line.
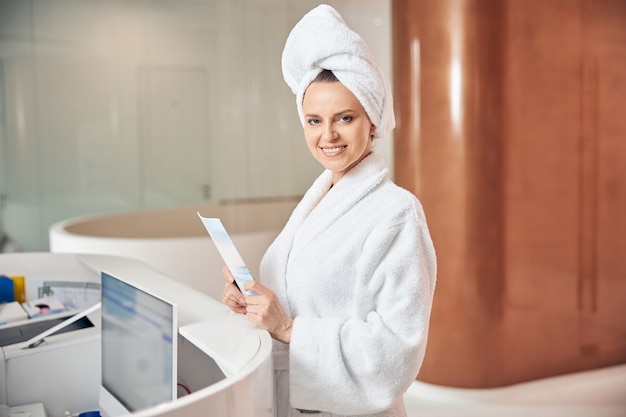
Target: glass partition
[(125, 105)]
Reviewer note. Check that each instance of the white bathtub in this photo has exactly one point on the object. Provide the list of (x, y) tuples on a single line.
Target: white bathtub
[(174, 241)]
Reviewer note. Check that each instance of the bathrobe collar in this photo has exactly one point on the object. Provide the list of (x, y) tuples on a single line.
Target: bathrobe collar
[(322, 205)]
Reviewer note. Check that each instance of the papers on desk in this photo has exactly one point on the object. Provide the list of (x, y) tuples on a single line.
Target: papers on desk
[(74, 295), (12, 312), (43, 306), (29, 410)]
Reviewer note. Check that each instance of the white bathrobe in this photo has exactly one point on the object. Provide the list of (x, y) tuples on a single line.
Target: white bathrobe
[(355, 267)]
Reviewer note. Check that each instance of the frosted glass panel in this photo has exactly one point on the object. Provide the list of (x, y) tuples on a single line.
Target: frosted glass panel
[(124, 105), (3, 173), (175, 150)]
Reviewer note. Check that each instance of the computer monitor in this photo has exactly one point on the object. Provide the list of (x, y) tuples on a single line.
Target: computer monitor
[(139, 348)]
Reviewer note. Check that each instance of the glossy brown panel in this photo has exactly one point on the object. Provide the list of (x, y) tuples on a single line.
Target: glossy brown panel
[(543, 113), (510, 132), (448, 150)]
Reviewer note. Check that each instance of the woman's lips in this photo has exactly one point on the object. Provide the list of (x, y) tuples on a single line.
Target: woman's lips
[(333, 150)]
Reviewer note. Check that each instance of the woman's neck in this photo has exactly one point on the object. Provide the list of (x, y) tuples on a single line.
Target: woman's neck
[(339, 175)]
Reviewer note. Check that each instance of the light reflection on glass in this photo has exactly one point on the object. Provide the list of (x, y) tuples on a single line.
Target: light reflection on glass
[(19, 108)]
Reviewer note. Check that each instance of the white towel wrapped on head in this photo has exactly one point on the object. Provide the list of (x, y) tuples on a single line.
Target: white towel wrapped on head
[(321, 40)]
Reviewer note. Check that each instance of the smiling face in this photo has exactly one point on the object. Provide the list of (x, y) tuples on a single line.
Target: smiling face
[(336, 128)]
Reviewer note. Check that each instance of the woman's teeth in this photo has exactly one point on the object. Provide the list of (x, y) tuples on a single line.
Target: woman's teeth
[(333, 150)]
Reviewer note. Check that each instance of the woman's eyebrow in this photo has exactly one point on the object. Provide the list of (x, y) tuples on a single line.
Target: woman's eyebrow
[(348, 110)]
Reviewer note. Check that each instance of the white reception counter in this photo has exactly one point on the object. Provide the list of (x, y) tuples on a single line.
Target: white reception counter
[(224, 361)]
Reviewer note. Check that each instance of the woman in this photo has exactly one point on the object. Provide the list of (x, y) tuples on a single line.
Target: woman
[(346, 288)]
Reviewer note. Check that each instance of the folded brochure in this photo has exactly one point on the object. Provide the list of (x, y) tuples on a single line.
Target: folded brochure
[(228, 252)]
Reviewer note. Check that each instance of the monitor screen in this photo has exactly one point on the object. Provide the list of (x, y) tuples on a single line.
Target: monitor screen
[(139, 348)]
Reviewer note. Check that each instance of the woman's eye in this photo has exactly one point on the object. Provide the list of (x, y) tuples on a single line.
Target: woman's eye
[(313, 121), (345, 118)]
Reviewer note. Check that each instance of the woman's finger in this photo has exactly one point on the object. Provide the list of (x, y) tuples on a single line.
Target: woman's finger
[(231, 296), (227, 274)]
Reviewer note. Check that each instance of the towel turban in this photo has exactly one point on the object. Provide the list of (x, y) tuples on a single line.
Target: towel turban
[(321, 40)]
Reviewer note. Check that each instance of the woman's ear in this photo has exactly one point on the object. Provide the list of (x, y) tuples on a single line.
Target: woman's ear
[(372, 131)]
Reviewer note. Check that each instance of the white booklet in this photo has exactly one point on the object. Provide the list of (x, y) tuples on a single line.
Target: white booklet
[(228, 252)]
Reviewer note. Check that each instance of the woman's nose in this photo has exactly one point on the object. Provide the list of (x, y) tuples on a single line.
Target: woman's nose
[(329, 133)]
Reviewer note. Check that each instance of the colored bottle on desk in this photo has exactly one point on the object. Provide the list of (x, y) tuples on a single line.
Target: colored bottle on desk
[(19, 288)]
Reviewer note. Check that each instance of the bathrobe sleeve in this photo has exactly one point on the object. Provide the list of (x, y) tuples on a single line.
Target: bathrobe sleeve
[(361, 360)]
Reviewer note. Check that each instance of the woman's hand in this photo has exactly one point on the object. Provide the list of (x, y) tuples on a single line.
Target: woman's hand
[(264, 310), (231, 296)]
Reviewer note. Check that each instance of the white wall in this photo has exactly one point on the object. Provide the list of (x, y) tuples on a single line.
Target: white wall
[(119, 105)]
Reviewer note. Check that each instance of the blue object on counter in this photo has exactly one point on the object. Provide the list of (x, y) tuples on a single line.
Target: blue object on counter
[(7, 292), (90, 414)]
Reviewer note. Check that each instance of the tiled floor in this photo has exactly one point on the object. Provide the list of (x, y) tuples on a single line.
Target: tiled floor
[(597, 393)]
